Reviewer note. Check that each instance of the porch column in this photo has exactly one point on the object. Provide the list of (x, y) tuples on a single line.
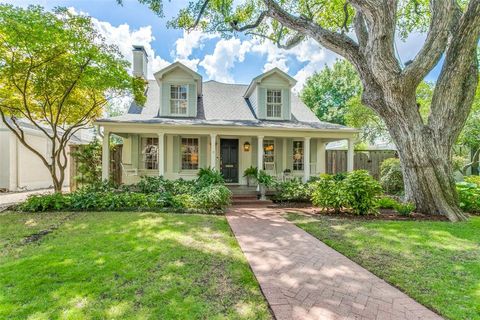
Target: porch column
[(260, 152), (106, 155), (321, 162), (213, 150), (306, 159), (350, 155), (161, 154)]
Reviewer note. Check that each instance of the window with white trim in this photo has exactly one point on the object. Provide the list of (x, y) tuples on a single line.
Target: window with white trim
[(190, 154), (274, 103), (298, 163), (178, 99), (268, 152), (150, 153)]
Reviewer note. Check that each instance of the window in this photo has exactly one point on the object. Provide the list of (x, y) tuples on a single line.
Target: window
[(268, 152), (150, 153), (297, 155), (274, 103), (189, 153), (178, 99)]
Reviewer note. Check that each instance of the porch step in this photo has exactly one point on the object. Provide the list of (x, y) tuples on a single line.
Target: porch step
[(250, 202)]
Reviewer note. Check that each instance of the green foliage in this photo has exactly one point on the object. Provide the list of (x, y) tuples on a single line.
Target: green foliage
[(327, 92), (265, 179), (150, 193), (208, 177), (213, 197), (89, 163), (386, 202), (361, 190), (47, 202), (391, 176), (469, 197), (56, 71), (292, 191), (329, 193), (473, 179), (404, 209), (251, 172)]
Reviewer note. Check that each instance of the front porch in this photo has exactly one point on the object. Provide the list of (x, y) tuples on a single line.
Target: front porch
[(179, 153)]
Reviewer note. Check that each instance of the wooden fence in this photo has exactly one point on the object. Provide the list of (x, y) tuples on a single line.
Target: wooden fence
[(370, 160), (115, 165)]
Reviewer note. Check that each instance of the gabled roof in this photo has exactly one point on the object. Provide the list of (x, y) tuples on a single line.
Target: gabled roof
[(259, 78), (178, 65)]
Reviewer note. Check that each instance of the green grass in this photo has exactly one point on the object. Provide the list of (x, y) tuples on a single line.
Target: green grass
[(124, 265), (436, 263)]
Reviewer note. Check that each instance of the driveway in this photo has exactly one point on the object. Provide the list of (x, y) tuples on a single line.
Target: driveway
[(302, 278)]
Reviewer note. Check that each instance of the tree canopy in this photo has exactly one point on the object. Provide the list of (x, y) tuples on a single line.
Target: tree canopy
[(57, 72)]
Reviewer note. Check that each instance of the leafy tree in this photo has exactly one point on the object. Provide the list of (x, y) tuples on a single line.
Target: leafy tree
[(389, 87), (58, 73), (327, 92)]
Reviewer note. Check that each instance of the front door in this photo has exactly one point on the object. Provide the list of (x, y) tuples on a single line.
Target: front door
[(229, 160)]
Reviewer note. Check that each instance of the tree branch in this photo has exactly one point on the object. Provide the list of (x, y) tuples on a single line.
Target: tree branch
[(435, 44), (199, 16), (261, 17)]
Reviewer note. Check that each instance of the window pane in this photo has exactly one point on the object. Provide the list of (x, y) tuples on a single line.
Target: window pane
[(190, 155), (178, 99), (150, 153), (268, 151), (298, 155), (274, 103)]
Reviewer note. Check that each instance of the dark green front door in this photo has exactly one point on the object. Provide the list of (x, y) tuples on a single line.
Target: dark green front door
[(229, 160)]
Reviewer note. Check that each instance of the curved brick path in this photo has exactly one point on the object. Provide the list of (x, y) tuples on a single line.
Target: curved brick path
[(302, 278)]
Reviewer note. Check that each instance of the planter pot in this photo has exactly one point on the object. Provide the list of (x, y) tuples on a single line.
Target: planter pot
[(263, 192)]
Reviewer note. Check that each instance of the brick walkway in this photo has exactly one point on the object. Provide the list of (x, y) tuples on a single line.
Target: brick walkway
[(302, 278)]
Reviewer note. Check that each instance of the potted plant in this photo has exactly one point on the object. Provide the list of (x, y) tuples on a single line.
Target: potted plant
[(264, 181), (251, 174)]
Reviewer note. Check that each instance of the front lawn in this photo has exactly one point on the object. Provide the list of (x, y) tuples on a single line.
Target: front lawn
[(436, 263), (124, 265)]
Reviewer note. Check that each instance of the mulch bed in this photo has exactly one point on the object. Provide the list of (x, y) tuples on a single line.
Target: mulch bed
[(384, 214)]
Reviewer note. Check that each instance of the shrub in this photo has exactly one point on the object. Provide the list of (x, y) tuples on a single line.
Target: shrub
[(208, 177), (183, 201), (213, 197), (265, 179), (473, 179), (386, 203), (391, 176), (292, 191), (47, 202), (404, 209), (89, 160), (361, 190), (469, 197), (150, 185), (328, 193)]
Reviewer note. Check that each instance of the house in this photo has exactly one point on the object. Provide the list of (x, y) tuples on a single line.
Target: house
[(187, 124), (20, 168)]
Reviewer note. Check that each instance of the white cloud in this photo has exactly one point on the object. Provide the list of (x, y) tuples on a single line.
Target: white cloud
[(227, 52), (124, 38)]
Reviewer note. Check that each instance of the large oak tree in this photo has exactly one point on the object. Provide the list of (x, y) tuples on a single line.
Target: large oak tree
[(364, 32), (56, 74)]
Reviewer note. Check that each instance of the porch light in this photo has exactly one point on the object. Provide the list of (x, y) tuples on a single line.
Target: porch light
[(246, 146)]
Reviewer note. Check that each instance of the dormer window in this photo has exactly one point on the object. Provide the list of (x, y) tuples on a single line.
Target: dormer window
[(178, 99), (274, 103)]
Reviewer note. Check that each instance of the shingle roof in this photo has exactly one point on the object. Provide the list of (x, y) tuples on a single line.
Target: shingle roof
[(222, 104)]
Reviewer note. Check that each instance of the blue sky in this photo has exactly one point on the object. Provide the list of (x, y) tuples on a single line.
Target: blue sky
[(228, 60)]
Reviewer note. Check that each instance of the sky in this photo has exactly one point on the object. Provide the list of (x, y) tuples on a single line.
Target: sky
[(234, 60)]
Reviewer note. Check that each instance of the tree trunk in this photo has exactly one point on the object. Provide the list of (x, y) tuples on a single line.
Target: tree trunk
[(428, 175)]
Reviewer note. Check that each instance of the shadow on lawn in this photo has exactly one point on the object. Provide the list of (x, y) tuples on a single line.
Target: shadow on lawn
[(132, 265)]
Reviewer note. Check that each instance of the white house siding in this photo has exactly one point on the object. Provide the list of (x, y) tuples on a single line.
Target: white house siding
[(283, 154)]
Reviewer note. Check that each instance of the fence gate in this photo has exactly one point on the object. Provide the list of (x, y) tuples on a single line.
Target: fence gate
[(115, 165), (369, 160)]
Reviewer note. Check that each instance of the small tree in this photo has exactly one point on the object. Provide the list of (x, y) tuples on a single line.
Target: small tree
[(58, 73), (89, 159)]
